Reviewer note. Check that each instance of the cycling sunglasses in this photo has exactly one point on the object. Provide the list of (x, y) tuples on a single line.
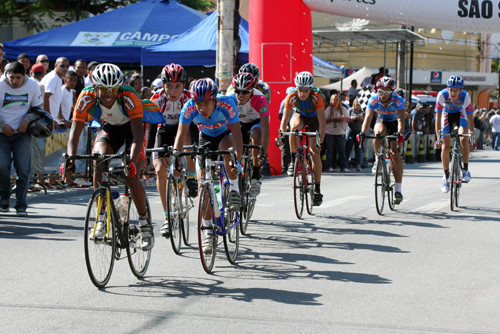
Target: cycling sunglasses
[(385, 92), (242, 91), (104, 90)]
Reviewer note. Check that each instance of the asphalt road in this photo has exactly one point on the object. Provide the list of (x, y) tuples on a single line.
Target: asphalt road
[(419, 269)]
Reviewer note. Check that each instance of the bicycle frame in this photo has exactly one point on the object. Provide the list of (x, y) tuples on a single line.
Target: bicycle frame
[(456, 167)]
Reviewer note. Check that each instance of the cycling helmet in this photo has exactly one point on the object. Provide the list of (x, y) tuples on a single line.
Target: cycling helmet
[(386, 82), (243, 81), (173, 73), (204, 90), (252, 69), (107, 75), (455, 82), (304, 79), (43, 126)]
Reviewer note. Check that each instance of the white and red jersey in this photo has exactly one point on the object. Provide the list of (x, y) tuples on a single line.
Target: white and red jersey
[(254, 109), (171, 110)]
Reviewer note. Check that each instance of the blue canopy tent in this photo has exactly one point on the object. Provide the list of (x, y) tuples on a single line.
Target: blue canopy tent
[(198, 47), (116, 36)]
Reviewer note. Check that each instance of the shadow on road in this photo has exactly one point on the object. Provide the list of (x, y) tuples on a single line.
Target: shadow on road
[(30, 228)]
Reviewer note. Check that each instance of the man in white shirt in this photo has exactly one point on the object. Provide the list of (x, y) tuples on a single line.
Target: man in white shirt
[(495, 130), (18, 93), (53, 88)]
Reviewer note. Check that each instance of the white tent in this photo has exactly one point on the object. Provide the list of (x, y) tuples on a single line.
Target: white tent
[(359, 76)]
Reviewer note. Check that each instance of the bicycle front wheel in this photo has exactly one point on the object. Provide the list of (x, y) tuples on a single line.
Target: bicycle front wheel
[(206, 246), (186, 205), (298, 189), (231, 233), (309, 185), (99, 250), (453, 182), (138, 259), (247, 201), (174, 214), (380, 186), (390, 190)]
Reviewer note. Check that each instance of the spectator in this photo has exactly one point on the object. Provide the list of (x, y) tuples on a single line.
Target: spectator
[(495, 131), (336, 123), (53, 88), (37, 74), (156, 85), (356, 115), (15, 142), (44, 60), (419, 109), (25, 60), (352, 92), (285, 152), (81, 71), (136, 82), (68, 99), (90, 67), (146, 93)]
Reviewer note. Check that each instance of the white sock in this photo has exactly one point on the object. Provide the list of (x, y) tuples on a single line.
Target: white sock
[(233, 185), (398, 187), (207, 223)]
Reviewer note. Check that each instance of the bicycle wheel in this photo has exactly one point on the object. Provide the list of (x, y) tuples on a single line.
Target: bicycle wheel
[(138, 259), (309, 185), (99, 252), (390, 190), (459, 181), (298, 190), (205, 208), (174, 214), (380, 186), (186, 205), (453, 181), (248, 203), (232, 231)]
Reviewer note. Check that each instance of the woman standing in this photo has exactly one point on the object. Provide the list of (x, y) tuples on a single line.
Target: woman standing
[(336, 124), (356, 115)]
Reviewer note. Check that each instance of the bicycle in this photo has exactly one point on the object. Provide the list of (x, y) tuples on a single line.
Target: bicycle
[(456, 168), (224, 221), (178, 201), (247, 201), (102, 251), (303, 181), (384, 182)]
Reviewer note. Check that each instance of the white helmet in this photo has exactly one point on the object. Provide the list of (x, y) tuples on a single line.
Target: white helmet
[(107, 75), (304, 79)]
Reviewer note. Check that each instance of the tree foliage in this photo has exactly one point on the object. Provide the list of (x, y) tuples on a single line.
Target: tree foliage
[(33, 13)]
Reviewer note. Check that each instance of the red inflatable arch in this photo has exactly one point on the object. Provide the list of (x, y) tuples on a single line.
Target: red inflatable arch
[(281, 45)]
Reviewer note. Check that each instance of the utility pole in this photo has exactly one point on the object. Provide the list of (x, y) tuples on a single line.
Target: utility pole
[(225, 42)]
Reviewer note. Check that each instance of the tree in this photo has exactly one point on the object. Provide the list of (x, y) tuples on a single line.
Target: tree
[(33, 13)]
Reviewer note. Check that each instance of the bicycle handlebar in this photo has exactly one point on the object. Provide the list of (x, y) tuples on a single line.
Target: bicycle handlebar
[(299, 134), (95, 156)]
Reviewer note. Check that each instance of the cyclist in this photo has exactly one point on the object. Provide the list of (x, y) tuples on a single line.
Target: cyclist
[(308, 109), (453, 107), (217, 117), (170, 99), (254, 119), (119, 110), (390, 108), (259, 84)]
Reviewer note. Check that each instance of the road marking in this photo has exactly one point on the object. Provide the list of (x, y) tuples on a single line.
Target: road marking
[(434, 206), (339, 201)]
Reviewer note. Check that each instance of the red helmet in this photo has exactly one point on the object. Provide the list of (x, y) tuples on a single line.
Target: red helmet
[(386, 82), (244, 81), (173, 73)]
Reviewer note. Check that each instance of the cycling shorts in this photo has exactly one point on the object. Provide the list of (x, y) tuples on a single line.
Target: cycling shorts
[(449, 121), (311, 122), (210, 143), (390, 126), (164, 136), (246, 128)]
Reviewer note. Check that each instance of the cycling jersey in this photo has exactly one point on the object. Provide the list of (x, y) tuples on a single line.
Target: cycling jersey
[(305, 108), (171, 110), (254, 109), (389, 113), (127, 106), (224, 115), (462, 105)]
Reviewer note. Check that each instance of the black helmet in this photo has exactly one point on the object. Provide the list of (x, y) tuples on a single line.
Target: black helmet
[(43, 126)]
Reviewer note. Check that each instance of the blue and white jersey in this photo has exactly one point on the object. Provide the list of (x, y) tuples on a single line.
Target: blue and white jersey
[(462, 105), (225, 114), (389, 113)]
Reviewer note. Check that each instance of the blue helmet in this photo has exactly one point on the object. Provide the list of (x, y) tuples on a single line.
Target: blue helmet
[(204, 90), (455, 82)]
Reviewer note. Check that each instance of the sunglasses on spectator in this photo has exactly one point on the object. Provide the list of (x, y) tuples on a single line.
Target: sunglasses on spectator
[(242, 91), (63, 66), (105, 90), (44, 61), (385, 92)]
